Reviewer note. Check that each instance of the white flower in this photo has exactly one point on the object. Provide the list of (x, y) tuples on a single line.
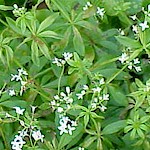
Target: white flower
[(144, 25), (93, 105), (85, 87), (80, 148), (37, 135), (137, 68), (60, 109), (148, 8), (105, 96), (67, 55), (133, 17), (88, 4), (33, 108), (58, 62), (135, 28), (121, 31), (136, 61), (15, 6), (80, 95), (70, 129), (101, 81), (18, 143), (97, 90), (103, 108), (16, 77), (12, 92), (19, 110), (23, 133), (130, 65), (124, 57), (63, 129), (22, 72), (100, 11)]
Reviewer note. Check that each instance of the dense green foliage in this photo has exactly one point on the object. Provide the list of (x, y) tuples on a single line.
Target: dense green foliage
[(75, 75)]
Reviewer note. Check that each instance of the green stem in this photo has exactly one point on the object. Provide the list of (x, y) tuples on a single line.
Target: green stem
[(4, 139), (59, 81), (43, 72), (116, 74)]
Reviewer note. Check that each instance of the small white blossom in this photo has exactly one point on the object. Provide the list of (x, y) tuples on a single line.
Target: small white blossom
[(80, 148), (105, 96), (60, 109), (103, 108), (22, 72), (16, 77), (124, 57), (101, 82), (144, 25), (18, 143), (97, 90), (93, 105), (67, 55), (85, 87), (101, 12), (136, 61), (19, 110), (121, 31), (12, 92), (80, 95), (137, 68), (88, 4), (130, 65), (37, 135), (15, 6), (58, 62), (135, 28), (133, 17)]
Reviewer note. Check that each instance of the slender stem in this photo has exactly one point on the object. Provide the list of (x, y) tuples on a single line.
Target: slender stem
[(116, 74), (3, 22), (59, 81), (43, 72), (4, 139)]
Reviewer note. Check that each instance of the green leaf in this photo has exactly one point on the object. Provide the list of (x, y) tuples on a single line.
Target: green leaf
[(128, 42), (50, 34), (114, 127), (86, 119), (44, 49), (78, 42), (118, 96), (35, 53), (3, 7), (47, 22)]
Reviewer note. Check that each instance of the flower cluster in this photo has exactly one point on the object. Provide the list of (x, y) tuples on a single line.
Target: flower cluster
[(134, 64), (61, 62), (18, 11), (99, 95), (62, 102), (22, 78), (66, 125), (30, 129)]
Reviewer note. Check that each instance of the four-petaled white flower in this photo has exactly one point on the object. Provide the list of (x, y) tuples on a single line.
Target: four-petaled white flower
[(135, 28), (133, 17), (58, 62), (101, 12), (80, 148), (88, 4), (124, 57), (80, 95), (12, 92), (97, 90), (136, 61), (37, 135), (67, 55), (19, 110), (144, 25)]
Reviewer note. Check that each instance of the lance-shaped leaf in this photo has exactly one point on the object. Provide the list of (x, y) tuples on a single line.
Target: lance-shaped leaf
[(44, 49), (50, 34), (114, 127), (78, 42), (47, 22), (128, 42), (35, 53), (3, 7)]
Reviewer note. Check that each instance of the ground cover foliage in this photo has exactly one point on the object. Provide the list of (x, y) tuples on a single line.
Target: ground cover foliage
[(75, 75)]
